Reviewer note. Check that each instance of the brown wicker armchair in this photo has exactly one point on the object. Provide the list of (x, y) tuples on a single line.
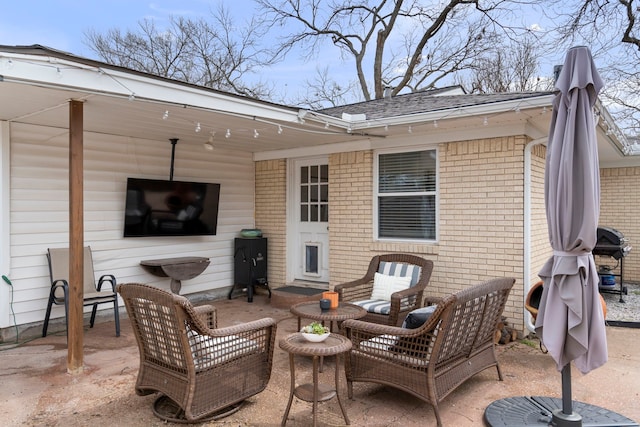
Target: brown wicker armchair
[(200, 372), (429, 362), (401, 303)]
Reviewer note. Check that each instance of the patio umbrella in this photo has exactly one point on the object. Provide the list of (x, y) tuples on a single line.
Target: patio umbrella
[(570, 322)]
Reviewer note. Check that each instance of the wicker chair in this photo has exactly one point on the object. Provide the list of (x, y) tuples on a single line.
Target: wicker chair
[(429, 362), (388, 313), (200, 372)]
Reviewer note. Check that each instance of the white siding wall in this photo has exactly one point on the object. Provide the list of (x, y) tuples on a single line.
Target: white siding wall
[(39, 210)]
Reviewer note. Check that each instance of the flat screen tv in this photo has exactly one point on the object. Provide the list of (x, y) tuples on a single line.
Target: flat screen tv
[(170, 208)]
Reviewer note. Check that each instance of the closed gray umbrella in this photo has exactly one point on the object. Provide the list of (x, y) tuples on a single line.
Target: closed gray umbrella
[(570, 321)]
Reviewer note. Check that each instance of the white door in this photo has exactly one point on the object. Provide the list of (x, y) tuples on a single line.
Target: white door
[(311, 212)]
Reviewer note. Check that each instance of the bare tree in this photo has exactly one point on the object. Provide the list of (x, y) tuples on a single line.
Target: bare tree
[(512, 66), (403, 44), (216, 54), (323, 91), (612, 29)]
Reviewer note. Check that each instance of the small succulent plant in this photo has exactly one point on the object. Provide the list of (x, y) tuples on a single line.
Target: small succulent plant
[(315, 328)]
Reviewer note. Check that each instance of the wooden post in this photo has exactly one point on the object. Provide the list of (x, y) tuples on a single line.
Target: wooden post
[(75, 334)]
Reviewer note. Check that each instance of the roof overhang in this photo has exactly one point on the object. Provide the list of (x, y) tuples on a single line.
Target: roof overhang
[(36, 85)]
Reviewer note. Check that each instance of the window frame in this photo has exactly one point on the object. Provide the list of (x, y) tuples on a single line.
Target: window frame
[(376, 194)]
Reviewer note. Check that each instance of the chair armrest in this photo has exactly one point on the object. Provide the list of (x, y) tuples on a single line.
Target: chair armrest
[(208, 315), (352, 327), (355, 290), (431, 300), (402, 302), (59, 284), (252, 326), (107, 278)]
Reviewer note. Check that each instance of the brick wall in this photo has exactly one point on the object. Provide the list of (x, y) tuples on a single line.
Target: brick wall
[(350, 214), (481, 224), (271, 215), (619, 209), (482, 216)]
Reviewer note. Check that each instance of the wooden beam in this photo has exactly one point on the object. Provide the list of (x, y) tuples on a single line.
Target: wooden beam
[(75, 332)]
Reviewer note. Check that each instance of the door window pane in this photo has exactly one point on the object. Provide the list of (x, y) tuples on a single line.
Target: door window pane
[(314, 193)]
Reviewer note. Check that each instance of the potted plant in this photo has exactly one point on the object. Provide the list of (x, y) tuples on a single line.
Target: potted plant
[(315, 332)]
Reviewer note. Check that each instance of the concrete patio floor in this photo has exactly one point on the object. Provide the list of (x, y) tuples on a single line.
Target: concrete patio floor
[(36, 390)]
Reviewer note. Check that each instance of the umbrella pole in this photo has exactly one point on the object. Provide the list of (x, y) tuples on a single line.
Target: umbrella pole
[(566, 417)]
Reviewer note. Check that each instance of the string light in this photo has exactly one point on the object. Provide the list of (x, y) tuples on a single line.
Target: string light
[(9, 63), (255, 133)]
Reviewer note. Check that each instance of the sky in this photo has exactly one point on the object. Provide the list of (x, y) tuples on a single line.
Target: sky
[(61, 24)]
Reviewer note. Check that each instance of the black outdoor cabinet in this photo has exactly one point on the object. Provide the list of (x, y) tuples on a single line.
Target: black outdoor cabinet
[(250, 265)]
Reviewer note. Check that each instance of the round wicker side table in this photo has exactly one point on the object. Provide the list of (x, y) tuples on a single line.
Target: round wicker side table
[(311, 310), (295, 344)]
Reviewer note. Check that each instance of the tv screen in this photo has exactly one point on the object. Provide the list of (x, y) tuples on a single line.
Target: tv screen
[(170, 208)]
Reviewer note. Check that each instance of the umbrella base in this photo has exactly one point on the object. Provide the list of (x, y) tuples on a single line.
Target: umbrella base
[(542, 411)]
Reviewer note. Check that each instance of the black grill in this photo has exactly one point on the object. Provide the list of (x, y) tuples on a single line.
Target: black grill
[(611, 243)]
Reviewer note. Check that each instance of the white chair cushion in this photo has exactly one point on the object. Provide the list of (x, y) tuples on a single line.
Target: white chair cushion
[(383, 347), (384, 286), (210, 351), (400, 269)]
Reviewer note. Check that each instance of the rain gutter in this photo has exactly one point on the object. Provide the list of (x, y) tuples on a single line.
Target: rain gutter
[(527, 224)]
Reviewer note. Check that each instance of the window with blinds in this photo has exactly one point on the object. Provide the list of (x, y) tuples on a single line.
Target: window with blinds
[(406, 194)]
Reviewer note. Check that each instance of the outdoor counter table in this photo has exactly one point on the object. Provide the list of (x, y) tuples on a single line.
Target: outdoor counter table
[(178, 269)]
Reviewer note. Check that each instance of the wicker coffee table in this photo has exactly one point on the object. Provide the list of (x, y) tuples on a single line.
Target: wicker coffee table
[(295, 344), (311, 310)]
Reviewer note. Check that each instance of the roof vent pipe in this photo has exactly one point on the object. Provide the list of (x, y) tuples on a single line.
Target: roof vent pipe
[(387, 92)]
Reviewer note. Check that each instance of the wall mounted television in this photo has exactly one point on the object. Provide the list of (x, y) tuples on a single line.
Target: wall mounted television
[(170, 208)]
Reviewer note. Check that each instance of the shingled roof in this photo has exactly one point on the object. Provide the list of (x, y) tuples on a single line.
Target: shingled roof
[(422, 102)]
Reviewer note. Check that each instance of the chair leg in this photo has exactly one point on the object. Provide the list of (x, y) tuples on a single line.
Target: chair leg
[(52, 297), (94, 310), (66, 313), (117, 316), (437, 412), (46, 316), (499, 372)]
